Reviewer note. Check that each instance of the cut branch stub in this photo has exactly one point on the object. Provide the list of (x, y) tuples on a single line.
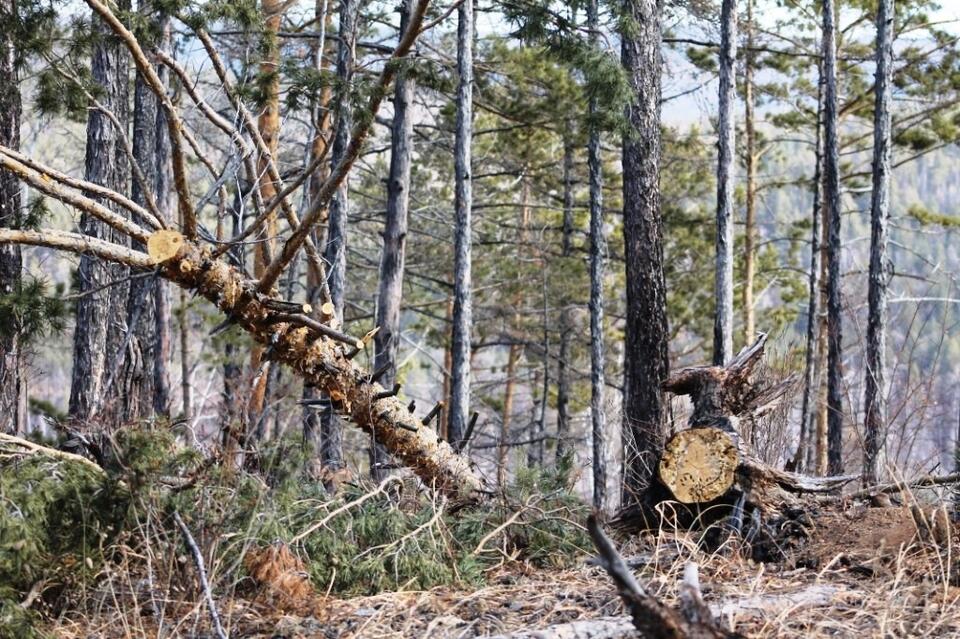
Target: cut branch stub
[(699, 465), (163, 245)]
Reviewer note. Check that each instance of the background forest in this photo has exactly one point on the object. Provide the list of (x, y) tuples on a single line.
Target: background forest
[(528, 211)]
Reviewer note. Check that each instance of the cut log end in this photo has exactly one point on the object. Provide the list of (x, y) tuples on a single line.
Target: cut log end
[(164, 245), (699, 464)]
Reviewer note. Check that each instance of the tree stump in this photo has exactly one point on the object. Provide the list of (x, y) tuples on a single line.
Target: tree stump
[(711, 471), (699, 464)]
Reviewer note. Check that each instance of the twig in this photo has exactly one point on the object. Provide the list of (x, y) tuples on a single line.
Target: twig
[(345, 507), (387, 393), (921, 482), (302, 320), (433, 413), (202, 573)]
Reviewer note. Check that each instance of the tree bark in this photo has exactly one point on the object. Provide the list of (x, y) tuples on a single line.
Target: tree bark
[(504, 449), (566, 330), (269, 126), (874, 399), (645, 348), (164, 194), (831, 192), (335, 254), (811, 370), (99, 314), (321, 139), (145, 385), (390, 297), (749, 223), (723, 290), (13, 417), (598, 418), (233, 423), (462, 285)]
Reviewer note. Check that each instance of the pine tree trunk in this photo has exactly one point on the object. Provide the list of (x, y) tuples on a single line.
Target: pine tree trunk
[(97, 338), (335, 254), (321, 138), (269, 125), (164, 195), (462, 293), (749, 225), (13, 415), (811, 371), (232, 409), (566, 330), (387, 340), (645, 348), (504, 451), (186, 389), (831, 193), (598, 418), (145, 376), (723, 291), (874, 400)]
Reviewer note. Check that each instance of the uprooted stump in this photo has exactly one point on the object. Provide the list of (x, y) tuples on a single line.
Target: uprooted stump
[(712, 473)]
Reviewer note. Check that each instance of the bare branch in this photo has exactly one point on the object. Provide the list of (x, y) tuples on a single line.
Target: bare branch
[(174, 125), (42, 180), (77, 243), (90, 188), (357, 137)]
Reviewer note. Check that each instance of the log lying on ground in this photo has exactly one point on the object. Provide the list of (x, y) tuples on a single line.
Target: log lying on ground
[(709, 460), (323, 362)]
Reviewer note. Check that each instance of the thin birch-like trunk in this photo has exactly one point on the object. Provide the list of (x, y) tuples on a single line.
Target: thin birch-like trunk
[(874, 404), (598, 418), (463, 202), (723, 289)]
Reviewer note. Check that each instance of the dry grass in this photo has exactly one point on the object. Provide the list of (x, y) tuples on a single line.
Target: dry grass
[(881, 578)]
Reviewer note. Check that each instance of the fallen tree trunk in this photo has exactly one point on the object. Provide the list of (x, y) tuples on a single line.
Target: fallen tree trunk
[(318, 354), (712, 472), (710, 459), (323, 361)]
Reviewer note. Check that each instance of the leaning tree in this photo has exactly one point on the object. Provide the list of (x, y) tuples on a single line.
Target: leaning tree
[(305, 339)]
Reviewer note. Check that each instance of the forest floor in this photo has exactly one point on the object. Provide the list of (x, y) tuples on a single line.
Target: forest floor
[(864, 572)]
